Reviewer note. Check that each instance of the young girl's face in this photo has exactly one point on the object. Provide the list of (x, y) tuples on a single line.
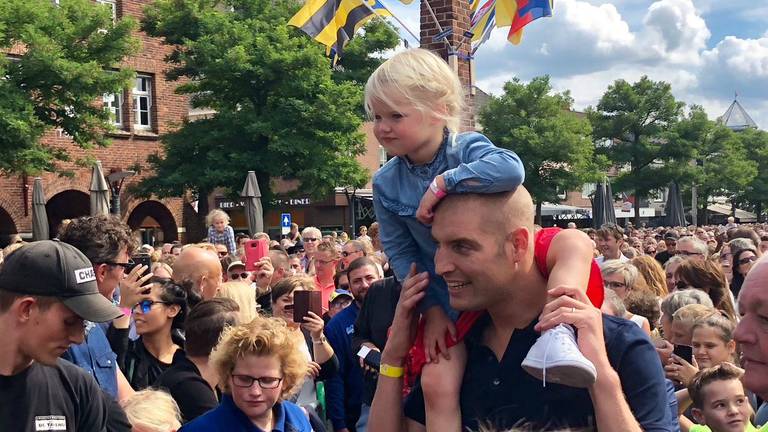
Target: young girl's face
[(709, 348), (406, 131), (219, 224)]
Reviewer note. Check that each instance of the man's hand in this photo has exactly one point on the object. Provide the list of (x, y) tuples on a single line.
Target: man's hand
[(134, 288), (364, 366), (664, 349), (314, 325), (435, 329), (425, 213), (263, 274), (403, 329)]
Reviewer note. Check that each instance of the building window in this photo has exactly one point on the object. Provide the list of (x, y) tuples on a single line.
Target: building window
[(142, 103), (588, 190), (383, 157), (113, 103), (112, 4)]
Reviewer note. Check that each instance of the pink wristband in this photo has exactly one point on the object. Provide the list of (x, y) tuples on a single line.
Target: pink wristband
[(439, 193), (126, 311)]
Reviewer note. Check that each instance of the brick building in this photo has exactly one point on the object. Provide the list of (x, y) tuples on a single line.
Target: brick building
[(140, 114)]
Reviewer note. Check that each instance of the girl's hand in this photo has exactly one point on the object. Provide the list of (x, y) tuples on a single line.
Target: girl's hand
[(680, 370), (314, 325), (313, 369), (425, 213), (437, 326), (134, 288), (664, 349), (403, 330)]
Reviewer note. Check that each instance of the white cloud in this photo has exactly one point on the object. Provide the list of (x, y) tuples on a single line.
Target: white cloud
[(675, 31)]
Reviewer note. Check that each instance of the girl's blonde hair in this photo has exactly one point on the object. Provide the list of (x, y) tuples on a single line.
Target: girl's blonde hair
[(422, 79), (154, 410), (216, 214), (261, 337), (243, 295)]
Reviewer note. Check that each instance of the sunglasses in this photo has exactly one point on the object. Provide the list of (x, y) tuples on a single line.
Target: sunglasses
[(236, 276), (615, 285), (344, 287), (146, 305), (346, 254), (223, 254), (310, 239), (748, 260), (127, 266)]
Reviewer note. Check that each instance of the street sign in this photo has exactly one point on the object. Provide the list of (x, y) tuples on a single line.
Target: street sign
[(285, 223), (443, 34)]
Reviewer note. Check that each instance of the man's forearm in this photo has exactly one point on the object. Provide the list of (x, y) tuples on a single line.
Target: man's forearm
[(386, 413), (612, 411)]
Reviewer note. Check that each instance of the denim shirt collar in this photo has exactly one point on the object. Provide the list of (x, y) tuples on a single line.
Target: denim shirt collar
[(410, 165)]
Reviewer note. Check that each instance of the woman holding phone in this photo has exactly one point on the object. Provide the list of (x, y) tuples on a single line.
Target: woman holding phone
[(323, 363)]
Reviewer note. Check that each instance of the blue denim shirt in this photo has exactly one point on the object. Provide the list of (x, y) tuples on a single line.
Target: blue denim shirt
[(96, 357), (469, 163)]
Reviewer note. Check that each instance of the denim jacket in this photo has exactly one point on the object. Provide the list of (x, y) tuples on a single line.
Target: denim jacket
[(96, 357), (469, 163)]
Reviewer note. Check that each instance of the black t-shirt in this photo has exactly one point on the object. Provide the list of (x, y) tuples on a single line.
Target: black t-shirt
[(52, 398), (663, 257), (187, 387)]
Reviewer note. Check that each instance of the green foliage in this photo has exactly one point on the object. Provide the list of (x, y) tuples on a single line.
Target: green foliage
[(279, 111), (633, 126), (64, 67), (755, 144), (363, 53), (554, 144)]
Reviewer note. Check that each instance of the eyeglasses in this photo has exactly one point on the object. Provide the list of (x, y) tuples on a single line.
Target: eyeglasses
[(146, 305), (235, 276), (325, 262), (615, 285), (346, 254), (246, 381), (747, 260), (126, 266), (310, 239), (687, 254)]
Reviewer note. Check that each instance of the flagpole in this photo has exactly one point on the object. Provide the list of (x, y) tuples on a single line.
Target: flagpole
[(365, 2)]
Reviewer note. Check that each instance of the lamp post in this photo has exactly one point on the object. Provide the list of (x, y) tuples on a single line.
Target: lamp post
[(115, 180)]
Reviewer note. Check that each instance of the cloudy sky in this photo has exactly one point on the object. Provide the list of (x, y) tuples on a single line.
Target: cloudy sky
[(707, 50)]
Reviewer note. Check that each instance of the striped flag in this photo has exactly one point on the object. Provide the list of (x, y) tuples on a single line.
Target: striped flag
[(514, 14), (333, 23)]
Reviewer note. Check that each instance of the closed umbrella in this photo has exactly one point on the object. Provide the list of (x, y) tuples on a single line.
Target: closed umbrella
[(40, 230), (99, 192), (675, 213), (598, 206), (253, 209), (610, 213)]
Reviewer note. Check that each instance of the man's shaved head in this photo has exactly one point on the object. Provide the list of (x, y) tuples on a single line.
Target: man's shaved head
[(199, 268), (503, 211)]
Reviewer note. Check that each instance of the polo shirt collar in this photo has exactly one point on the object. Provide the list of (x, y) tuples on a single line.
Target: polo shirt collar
[(475, 335), (277, 411)]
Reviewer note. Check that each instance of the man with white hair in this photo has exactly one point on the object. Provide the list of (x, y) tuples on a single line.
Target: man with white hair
[(751, 333), (693, 248)]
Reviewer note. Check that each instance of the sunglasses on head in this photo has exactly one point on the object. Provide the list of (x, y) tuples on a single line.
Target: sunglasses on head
[(236, 276)]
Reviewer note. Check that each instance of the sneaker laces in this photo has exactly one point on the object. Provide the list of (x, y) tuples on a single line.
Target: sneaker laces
[(556, 333)]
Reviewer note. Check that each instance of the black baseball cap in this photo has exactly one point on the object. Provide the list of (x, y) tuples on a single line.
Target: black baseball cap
[(51, 268)]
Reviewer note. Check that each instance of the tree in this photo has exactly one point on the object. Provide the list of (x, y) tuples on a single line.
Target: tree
[(554, 144), (755, 144), (722, 167), (278, 109), (59, 65), (632, 123)]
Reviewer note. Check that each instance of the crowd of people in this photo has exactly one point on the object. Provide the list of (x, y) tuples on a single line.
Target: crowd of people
[(452, 312)]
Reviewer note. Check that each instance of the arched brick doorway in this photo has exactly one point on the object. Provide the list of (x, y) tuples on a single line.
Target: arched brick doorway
[(69, 204), (154, 221), (7, 227)]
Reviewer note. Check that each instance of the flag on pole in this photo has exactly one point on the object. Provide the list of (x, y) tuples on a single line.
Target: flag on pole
[(527, 12), (333, 23), (483, 21), (515, 14)]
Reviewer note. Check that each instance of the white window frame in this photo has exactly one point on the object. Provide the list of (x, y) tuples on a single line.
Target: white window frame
[(115, 110), (113, 5), (140, 93)]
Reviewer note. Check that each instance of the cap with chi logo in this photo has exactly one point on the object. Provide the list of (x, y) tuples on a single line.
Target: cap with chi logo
[(51, 268)]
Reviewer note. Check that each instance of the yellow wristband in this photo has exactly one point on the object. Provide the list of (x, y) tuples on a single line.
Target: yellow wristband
[(391, 371)]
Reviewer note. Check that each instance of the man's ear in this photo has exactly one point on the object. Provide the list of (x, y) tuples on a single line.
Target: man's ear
[(516, 243), (101, 272), (23, 308)]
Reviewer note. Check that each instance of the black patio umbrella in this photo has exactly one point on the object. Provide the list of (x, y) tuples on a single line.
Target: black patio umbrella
[(598, 206), (40, 230), (99, 191), (675, 213), (254, 212)]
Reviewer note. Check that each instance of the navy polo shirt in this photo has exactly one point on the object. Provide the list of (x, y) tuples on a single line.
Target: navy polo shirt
[(227, 417), (504, 395)]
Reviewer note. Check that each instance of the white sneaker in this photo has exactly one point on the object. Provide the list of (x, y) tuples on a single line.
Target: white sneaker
[(556, 358)]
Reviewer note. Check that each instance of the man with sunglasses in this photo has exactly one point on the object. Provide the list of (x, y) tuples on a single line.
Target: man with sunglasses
[(352, 250), (48, 295), (108, 243), (692, 248), (670, 241)]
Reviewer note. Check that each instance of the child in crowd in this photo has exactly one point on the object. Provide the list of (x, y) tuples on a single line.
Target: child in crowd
[(719, 401), (415, 100), (219, 231)]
